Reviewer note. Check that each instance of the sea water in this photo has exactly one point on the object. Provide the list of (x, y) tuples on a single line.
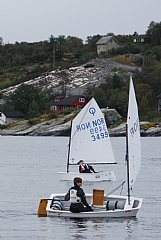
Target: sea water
[(28, 172)]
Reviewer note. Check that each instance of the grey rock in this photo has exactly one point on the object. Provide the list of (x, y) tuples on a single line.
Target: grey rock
[(61, 127)]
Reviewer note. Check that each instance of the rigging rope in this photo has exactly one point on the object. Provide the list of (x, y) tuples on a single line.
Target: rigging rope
[(121, 185)]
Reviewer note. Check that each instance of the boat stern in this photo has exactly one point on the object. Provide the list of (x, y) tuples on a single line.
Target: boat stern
[(134, 206)]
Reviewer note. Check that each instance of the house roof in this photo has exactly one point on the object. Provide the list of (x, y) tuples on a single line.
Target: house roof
[(139, 36), (13, 113), (159, 96), (68, 101), (56, 100), (59, 97), (105, 39)]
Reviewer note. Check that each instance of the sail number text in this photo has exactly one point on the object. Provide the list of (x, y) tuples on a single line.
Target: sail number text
[(97, 129), (99, 136), (134, 128), (99, 133)]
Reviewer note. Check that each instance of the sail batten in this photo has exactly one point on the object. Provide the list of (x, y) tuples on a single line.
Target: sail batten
[(89, 137)]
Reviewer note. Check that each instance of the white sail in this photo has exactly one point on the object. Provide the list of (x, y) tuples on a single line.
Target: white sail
[(89, 137), (134, 144)]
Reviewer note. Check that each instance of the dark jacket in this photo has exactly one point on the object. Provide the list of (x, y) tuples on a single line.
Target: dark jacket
[(82, 206), (80, 193), (85, 168)]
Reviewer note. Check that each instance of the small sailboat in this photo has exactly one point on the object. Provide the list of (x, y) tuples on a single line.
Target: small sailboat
[(90, 142), (107, 205)]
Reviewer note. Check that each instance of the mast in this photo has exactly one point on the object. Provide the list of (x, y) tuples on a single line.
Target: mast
[(69, 147), (127, 164)]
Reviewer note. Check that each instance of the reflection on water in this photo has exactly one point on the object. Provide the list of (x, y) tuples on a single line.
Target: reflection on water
[(130, 225), (101, 228), (78, 227)]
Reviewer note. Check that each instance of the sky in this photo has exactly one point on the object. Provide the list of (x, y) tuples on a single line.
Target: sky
[(37, 20)]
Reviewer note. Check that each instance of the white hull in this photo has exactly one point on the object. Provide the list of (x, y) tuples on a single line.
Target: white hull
[(124, 210), (94, 177)]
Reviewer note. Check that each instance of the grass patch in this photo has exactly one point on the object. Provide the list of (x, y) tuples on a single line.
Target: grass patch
[(13, 124), (147, 125), (34, 121), (125, 60), (115, 124)]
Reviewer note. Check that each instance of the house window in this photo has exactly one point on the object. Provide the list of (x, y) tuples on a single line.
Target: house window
[(81, 100), (64, 108), (53, 108)]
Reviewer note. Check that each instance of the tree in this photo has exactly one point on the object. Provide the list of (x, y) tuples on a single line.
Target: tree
[(143, 107), (33, 111), (73, 43), (26, 95), (121, 102), (154, 33), (100, 97), (117, 81), (91, 43)]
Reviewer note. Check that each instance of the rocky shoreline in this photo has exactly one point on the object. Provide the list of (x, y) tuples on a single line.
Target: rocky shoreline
[(81, 75), (61, 127), (150, 132)]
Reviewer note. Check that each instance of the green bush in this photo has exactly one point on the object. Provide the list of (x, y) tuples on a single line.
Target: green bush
[(34, 121), (68, 111), (67, 119), (52, 116), (2, 126), (47, 123)]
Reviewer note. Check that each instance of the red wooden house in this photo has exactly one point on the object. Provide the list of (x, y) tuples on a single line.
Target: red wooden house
[(61, 103)]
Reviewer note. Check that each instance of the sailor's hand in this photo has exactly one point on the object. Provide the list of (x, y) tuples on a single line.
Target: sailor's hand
[(89, 208)]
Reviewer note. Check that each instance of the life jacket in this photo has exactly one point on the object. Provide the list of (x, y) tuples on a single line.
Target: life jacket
[(84, 167), (73, 196)]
